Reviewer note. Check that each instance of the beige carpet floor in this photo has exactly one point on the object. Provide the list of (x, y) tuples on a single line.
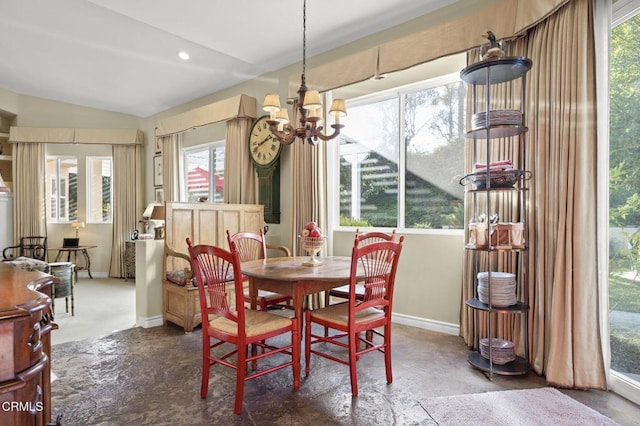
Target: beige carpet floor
[(543, 406), (101, 307)]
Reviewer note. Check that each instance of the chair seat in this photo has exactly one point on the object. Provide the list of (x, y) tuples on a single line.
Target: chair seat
[(343, 291), (256, 322), (339, 314)]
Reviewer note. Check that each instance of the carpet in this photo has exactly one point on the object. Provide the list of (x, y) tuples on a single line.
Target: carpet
[(542, 406)]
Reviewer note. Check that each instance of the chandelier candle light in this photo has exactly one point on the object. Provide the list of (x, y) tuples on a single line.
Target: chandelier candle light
[(309, 108)]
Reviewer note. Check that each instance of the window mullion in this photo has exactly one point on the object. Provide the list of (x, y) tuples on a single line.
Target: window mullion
[(401, 162)]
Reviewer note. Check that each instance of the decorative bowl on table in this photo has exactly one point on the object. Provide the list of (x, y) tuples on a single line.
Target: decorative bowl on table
[(312, 245)]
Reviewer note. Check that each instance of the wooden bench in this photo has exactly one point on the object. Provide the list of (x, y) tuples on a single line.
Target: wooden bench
[(204, 223)]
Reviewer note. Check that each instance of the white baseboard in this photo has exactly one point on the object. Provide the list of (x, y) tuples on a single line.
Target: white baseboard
[(149, 322), (427, 324)]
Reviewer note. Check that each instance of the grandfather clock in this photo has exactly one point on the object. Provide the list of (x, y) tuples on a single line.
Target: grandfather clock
[(265, 150)]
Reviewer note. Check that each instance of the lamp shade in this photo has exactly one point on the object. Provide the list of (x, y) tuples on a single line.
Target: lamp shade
[(158, 212), (338, 108), (282, 116), (3, 186), (312, 100), (271, 103), (154, 211), (315, 114), (77, 225)]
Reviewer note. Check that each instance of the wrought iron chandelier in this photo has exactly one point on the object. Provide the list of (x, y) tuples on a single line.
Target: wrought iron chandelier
[(309, 108)]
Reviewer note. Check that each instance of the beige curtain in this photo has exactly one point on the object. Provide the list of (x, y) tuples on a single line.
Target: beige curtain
[(239, 176), (566, 343), (171, 168), (29, 216), (127, 201)]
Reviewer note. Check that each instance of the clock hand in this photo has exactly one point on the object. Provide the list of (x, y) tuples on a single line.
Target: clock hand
[(265, 139)]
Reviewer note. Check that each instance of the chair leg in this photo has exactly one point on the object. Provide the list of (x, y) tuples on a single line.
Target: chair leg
[(327, 301), (241, 371), (295, 342), (387, 353), (206, 366), (369, 335), (307, 341), (353, 345)]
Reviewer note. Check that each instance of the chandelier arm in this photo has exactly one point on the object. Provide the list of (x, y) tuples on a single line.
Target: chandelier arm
[(336, 131), (287, 136)]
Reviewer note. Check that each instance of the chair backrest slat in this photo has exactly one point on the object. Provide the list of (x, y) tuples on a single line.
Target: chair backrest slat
[(250, 246), (214, 269), (379, 261)]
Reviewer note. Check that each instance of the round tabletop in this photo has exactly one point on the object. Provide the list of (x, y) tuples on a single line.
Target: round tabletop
[(333, 268)]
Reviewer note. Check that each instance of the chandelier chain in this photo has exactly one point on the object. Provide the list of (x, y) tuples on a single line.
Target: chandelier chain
[(311, 128), (304, 37)]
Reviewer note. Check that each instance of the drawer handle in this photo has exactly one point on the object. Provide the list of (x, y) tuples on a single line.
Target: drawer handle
[(34, 341), (47, 318), (37, 402)]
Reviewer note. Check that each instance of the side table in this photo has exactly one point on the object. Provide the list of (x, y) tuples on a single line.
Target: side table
[(75, 250)]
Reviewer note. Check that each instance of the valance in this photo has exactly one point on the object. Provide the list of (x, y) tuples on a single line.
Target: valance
[(76, 135), (241, 106), (456, 28)]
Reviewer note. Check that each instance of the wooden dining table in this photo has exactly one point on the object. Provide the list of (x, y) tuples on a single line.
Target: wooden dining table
[(288, 276)]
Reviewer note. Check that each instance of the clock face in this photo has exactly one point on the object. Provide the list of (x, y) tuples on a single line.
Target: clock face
[(264, 148)]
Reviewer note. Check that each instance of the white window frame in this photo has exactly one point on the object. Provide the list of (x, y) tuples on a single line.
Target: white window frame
[(333, 153), (56, 180), (89, 182), (211, 147), (621, 11)]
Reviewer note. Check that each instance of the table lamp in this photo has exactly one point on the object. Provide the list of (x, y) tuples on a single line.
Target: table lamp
[(77, 226), (155, 212)]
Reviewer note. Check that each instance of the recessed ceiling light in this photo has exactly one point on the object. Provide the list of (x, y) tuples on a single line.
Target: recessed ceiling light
[(183, 55)]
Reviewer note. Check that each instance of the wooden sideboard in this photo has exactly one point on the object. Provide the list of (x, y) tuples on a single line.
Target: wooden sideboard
[(203, 223), (26, 322)]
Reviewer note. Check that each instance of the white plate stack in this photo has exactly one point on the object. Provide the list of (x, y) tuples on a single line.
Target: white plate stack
[(503, 288), (503, 351), (497, 117)]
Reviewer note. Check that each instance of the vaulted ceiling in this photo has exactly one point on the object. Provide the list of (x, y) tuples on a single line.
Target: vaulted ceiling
[(121, 55)]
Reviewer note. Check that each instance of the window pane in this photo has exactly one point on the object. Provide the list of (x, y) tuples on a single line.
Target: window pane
[(624, 199), (369, 165), (99, 200), (62, 188), (204, 168), (434, 147)]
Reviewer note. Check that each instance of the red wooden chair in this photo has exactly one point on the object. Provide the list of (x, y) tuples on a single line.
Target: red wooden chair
[(362, 239), (379, 261), (254, 246), (214, 268)]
